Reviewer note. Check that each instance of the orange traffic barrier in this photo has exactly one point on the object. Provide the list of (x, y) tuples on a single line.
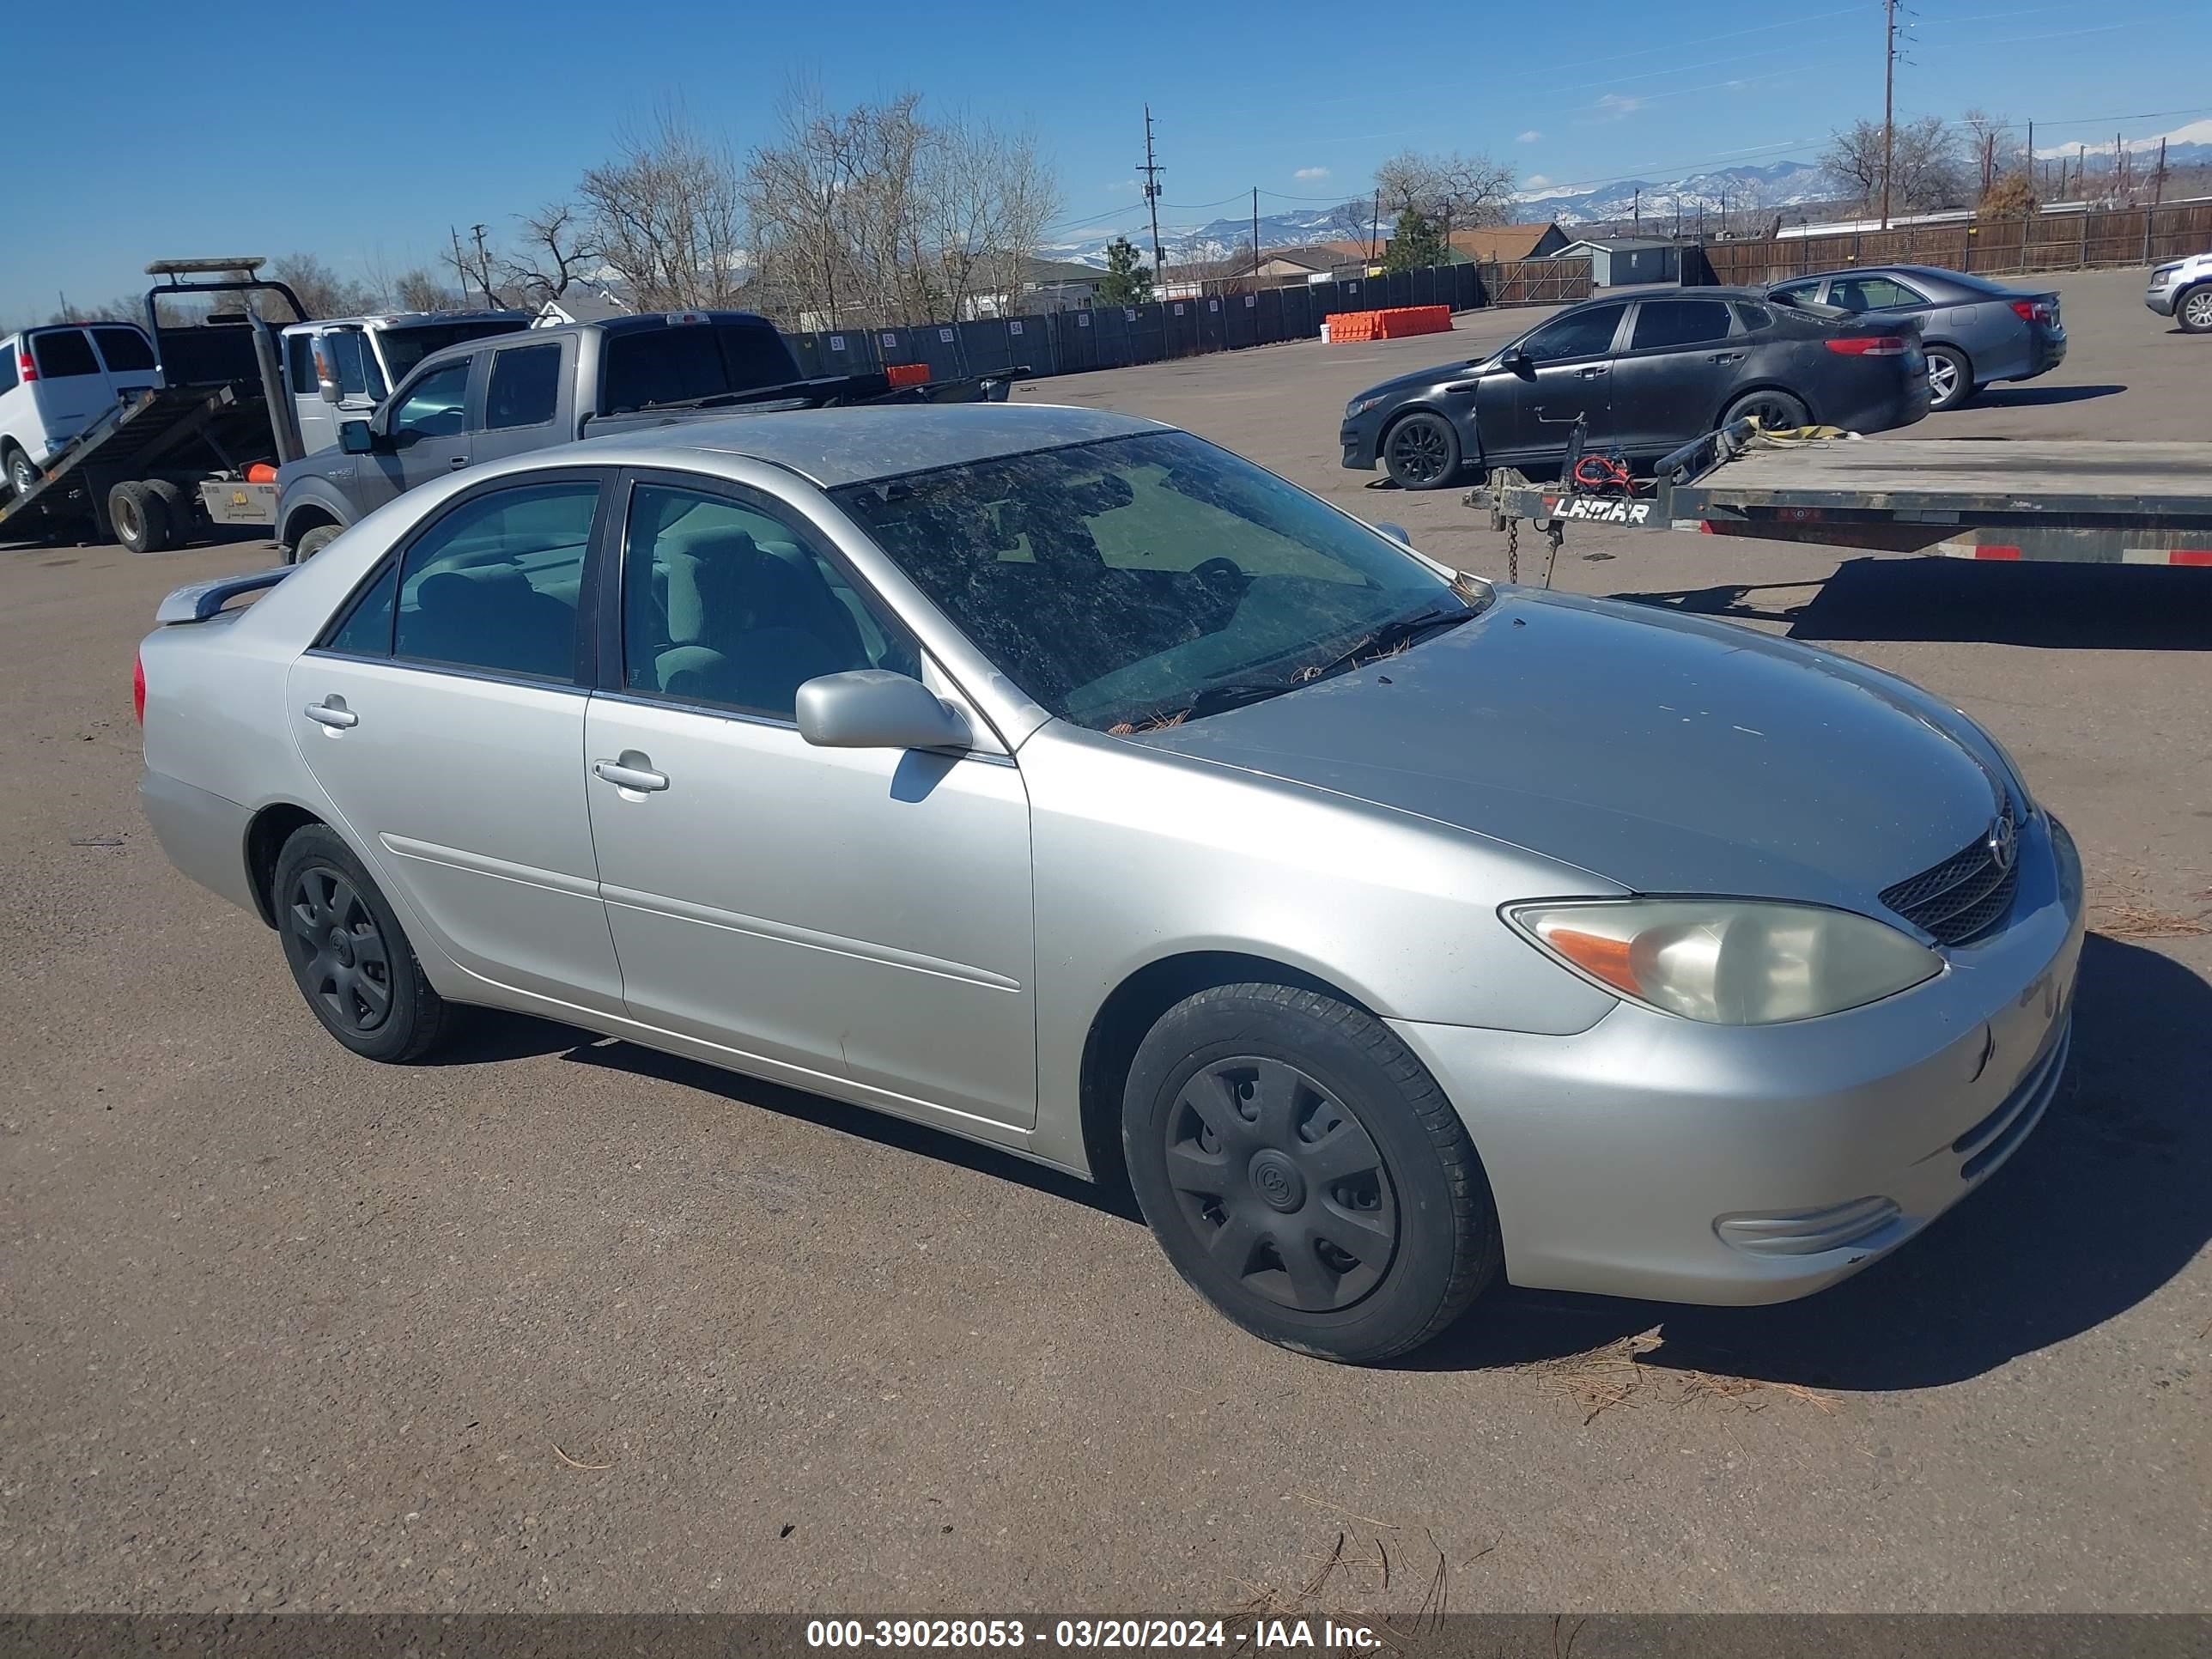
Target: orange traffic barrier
[(906, 373), (1402, 321), (1345, 326)]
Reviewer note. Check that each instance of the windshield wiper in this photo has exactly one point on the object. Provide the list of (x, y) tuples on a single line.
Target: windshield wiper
[(1388, 638)]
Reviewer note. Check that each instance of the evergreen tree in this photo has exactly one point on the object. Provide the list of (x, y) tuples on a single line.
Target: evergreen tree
[(1416, 240), (1127, 282)]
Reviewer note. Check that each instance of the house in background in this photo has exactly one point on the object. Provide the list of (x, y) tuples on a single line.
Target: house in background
[(1490, 245), (1315, 261), (1623, 261)]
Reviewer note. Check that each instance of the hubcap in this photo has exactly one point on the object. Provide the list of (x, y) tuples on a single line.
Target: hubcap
[(1942, 377), (1417, 452), (2199, 309), (338, 951), (1280, 1185)]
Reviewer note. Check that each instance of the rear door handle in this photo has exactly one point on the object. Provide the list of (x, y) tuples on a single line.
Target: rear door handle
[(633, 771), (1726, 357), (332, 712)]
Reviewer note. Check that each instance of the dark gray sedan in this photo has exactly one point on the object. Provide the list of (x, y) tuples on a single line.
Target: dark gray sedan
[(1974, 331)]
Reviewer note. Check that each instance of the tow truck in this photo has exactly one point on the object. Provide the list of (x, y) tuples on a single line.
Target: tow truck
[(2071, 501), (163, 463)]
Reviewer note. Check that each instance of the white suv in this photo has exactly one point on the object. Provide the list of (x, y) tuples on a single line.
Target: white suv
[(2182, 291), (56, 381)]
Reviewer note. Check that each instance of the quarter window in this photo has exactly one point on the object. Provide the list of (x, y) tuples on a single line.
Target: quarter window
[(493, 584), (724, 603), (1578, 334), (7, 349), (300, 362), (435, 406), (1662, 322), (366, 629), (526, 386)]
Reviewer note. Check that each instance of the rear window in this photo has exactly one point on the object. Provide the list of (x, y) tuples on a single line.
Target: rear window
[(683, 363), (124, 349), (64, 353)]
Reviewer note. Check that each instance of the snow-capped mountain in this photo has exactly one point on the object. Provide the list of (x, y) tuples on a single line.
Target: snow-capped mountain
[(2187, 146), (1782, 184)]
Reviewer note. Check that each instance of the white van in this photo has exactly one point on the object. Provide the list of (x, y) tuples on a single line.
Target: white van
[(339, 368), (56, 381)]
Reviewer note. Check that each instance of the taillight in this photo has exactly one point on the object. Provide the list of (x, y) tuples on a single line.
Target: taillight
[(24, 368), (1869, 345), (2033, 311), (138, 689)]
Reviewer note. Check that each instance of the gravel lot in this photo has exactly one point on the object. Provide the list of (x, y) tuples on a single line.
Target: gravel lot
[(566, 1324)]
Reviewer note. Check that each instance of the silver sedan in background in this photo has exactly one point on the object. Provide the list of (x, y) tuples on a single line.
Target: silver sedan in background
[(1068, 783)]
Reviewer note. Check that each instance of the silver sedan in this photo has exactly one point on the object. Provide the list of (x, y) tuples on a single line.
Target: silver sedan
[(1065, 783)]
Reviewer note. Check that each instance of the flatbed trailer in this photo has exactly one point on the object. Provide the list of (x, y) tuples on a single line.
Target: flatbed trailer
[(2070, 501)]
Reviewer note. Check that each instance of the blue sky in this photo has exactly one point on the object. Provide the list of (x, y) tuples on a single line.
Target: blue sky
[(362, 132)]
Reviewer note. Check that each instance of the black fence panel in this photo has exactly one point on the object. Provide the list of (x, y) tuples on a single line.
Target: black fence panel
[(1110, 338), (1240, 321), (1213, 323), (897, 345), (1423, 290), (1029, 342), (1359, 293), (983, 345), (807, 348), (1075, 340), (1267, 315), (848, 351), (940, 347), (1148, 332), (1396, 290), (1321, 299), (1178, 328), (1466, 287), (1300, 317)]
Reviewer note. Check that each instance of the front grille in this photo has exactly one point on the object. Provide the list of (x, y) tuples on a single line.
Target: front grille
[(1965, 896)]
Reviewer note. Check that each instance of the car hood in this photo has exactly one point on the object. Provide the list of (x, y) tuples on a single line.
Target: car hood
[(1662, 752), (1419, 380)]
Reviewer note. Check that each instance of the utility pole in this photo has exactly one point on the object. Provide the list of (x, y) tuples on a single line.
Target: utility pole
[(1255, 236), (483, 268), (1889, 100), (1374, 225), (1636, 210), (1152, 170), (2158, 176), (2031, 158)]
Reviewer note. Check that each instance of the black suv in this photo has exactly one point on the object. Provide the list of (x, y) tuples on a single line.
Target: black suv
[(1646, 375)]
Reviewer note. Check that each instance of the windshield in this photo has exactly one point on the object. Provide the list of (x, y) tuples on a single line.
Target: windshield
[(1117, 582), (404, 347)]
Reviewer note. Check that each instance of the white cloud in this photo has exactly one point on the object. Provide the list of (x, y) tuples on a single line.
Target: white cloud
[(1528, 138), (1615, 106), (1309, 174), (1122, 183), (1534, 181)]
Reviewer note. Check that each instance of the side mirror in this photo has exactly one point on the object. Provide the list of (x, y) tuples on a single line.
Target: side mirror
[(1517, 361), (875, 709), (326, 376), (1396, 532), (354, 438)]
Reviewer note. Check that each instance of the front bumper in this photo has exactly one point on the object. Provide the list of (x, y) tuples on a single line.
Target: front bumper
[(2160, 300), (1654, 1157), (1360, 439)]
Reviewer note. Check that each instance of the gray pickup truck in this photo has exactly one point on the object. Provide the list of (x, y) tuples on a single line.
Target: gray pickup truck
[(484, 399)]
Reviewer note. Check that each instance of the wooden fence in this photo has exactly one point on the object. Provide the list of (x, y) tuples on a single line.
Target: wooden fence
[(1536, 281), (2050, 241)]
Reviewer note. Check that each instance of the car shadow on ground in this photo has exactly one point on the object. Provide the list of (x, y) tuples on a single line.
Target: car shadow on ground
[(2033, 397), (2110, 607), (2109, 1199)]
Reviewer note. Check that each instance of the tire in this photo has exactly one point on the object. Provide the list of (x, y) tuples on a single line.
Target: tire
[(1950, 378), (337, 932), (1776, 410), (178, 506), (1352, 1220), (1421, 451), (314, 542), (22, 477), (140, 517), (2192, 310)]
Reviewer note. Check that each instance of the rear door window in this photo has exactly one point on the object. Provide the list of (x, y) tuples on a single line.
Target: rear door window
[(493, 585), (63, 352), (526, 386), (1663, 323), (1870, 294), (124, 349)]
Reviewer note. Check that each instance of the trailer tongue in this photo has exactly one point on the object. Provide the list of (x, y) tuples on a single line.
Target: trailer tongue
[(2088, 501)]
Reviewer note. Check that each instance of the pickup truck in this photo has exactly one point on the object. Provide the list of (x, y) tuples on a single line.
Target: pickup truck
[(339, 368), (484, 399)]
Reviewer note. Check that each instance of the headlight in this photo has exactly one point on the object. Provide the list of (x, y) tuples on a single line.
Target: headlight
[(1361, 405), (1729, 961)]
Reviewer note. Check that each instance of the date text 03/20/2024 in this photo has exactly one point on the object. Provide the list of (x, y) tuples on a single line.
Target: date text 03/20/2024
[(1286, 1635)]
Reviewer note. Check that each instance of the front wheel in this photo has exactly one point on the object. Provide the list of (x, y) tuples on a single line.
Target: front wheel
[(1950, 378), (347, 955), (314, 542), (1421, 451), (1777, 411), (2193, 311), (1304, 1173)]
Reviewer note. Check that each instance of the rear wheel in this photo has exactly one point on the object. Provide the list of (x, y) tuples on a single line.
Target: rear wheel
[(1775, 411), (347, 955), (180, 508), (1305, 1174), (2193, 311), (1950, 378), (1421, 451), (314, 542), (141, 518), (22, 477)]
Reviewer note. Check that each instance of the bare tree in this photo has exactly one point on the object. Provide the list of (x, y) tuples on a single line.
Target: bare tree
[(418, 291), (556, 249), (1991, 151), (667, 215), (322, 291), (1452, 190), (1926, 169)]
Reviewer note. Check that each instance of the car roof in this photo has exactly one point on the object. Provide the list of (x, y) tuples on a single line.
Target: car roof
[(1667, 291), (830, 448)]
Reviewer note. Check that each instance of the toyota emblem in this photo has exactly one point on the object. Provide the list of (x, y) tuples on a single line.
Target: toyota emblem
[(2004, 842)]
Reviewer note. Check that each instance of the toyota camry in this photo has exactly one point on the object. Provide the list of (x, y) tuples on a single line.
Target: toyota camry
[(1064, 782)]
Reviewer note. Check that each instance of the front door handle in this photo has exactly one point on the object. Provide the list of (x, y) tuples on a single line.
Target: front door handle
[(633, 771), (332, 712), (1726, 357), (1593, 371), (458, 461)]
